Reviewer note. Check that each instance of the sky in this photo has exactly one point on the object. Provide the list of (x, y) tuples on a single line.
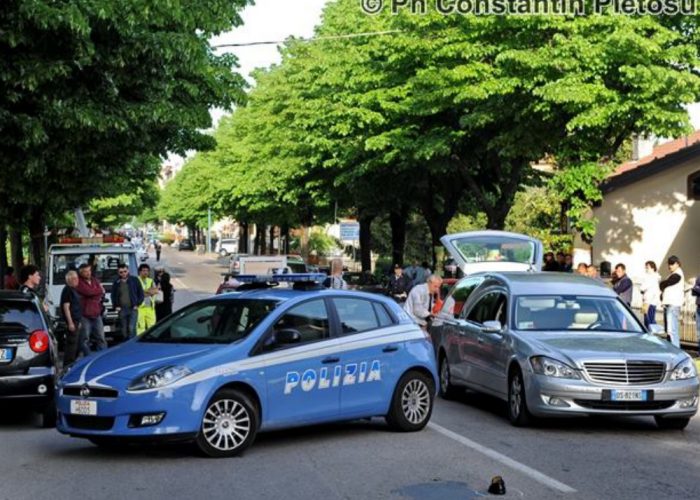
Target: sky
[(269, 20)]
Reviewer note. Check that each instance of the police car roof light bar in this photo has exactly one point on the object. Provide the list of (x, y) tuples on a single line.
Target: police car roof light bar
[(280, 278)]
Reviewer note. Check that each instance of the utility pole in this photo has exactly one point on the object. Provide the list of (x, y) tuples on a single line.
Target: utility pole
[(209, 230)]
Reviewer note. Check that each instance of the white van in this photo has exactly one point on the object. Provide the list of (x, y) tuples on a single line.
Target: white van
[(105, 258), (226, 246)]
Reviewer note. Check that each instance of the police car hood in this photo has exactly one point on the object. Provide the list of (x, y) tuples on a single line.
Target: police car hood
[(134, 359)]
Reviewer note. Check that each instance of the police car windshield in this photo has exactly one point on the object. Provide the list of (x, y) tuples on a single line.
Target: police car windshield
[(212, 322)]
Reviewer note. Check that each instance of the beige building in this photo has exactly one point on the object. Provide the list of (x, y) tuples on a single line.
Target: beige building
[(650, 210)]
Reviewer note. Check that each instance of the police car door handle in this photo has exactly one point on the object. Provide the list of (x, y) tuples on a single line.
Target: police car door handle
[(391, 348), (328, 361)]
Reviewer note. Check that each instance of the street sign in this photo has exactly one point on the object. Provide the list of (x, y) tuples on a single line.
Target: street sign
[(349, 231)]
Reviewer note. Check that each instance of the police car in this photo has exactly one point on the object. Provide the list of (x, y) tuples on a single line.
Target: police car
[(226, 367)]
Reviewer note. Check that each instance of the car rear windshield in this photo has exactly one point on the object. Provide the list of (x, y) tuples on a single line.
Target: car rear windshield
[(573, 313), (211, 322), (19, 312), (104, 265), (496, 249)]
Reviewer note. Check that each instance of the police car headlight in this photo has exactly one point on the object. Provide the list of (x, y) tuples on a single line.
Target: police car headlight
[(160, 378), (684, 370)]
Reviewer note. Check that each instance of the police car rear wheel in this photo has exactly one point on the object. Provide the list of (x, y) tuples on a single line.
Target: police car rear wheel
[(412, 403), (229, 425)]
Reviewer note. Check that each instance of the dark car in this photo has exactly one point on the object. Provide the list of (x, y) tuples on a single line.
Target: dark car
[(28, 355), (185, 245)]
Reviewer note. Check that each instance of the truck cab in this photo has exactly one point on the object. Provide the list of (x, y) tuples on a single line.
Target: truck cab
[(104, 258)]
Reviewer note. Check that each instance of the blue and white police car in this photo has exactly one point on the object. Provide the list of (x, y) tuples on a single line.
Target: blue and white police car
[(222, 369)]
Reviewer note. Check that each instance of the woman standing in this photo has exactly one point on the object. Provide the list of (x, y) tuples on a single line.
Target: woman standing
[(651, 293), (164, 304)]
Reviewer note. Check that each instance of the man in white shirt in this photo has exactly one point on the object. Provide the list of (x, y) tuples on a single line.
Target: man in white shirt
[(421, 299), (672, 299)]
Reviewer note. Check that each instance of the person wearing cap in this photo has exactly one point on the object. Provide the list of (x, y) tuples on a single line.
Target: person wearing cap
[(164, 300), (399, 284)]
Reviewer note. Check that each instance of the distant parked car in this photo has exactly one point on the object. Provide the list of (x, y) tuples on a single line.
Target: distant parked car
[(185, 245), (28, 354)]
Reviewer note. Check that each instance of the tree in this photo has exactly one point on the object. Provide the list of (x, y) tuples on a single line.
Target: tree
[(93, 93)]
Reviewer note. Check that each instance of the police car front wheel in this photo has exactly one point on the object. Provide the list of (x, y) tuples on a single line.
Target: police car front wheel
[(229, 424), (412, 403)]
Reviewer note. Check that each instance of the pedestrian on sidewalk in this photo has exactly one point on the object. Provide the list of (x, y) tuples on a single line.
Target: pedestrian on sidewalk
[(696, 293), (72, 315), (158, 247), (127, 296), (623, 284), (147, 309), (672, 299), (164, 304), (651, 293), (91, 292), (421, 299), (549, 263)]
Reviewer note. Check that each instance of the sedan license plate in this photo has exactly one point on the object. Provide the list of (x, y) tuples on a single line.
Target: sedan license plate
[(82, 407), (628, 395), (6, 355)]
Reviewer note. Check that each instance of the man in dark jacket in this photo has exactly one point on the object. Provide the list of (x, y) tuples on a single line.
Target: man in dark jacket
[(623, 284), (399, 284), (127, 296)]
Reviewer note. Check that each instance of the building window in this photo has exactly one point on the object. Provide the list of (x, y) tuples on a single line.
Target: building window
[(694, 186)]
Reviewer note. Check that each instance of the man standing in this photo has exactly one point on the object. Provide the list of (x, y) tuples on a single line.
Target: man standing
[(335, 280), (421, 299), (158, 247), (422, 274), (147, 309), (399, 284), (70, 310), (549, 263), (91, 293), (651, 294), (127, 296), (696, 293), (623, 284), (672, 299), (30, 279), (10, 282)]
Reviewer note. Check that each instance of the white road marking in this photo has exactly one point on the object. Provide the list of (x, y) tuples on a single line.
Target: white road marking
[(180, 284), (499, 457)]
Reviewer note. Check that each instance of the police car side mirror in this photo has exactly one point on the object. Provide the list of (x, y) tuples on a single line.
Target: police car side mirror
[(287, 336)]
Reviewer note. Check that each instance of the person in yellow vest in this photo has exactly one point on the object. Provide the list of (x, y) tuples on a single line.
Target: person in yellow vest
[(147, 310)]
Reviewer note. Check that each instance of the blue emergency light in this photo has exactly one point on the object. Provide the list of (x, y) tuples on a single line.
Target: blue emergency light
[(279, 278)]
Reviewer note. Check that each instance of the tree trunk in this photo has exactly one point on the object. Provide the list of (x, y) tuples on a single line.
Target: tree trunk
[(263, 239), (304, 242), (272, 241), (3, 255), (366, 242), (17, 251), (36, 237), (284, 233), (397, 221), (243, 237), (256, 240)]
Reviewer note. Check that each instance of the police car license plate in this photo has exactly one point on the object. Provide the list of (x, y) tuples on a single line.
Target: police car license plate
[(82, 407), (627, 395), (6, 355)]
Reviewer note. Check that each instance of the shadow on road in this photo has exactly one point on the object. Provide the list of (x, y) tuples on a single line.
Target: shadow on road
[(497, 410)]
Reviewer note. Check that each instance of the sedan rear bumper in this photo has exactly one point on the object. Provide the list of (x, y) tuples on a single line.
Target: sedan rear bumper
[(549, 396)]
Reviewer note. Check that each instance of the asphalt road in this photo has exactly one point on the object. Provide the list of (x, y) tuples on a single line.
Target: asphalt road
[(467, 443)]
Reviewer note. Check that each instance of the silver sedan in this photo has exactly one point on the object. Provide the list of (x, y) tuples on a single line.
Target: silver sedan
[(555, 344)]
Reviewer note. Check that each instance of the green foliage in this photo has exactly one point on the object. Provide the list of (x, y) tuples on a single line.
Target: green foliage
[(117, 210), (537, 212), (94, 93), (320, 243)]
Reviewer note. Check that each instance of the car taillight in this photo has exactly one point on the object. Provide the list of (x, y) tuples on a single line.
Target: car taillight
[(39, 341)]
